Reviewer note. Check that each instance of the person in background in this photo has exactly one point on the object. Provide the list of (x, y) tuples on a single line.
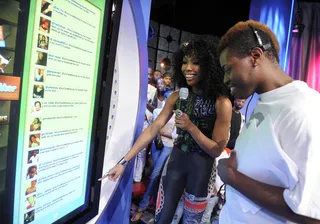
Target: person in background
[(273, 175), (157, 74), (203, 132), (163, 86), (141, 158), (167, 80), (237, 122), (150, 74), (151, 96), (159, 157)]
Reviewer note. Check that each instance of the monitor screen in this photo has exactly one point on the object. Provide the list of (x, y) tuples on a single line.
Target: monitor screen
[(57, 106)]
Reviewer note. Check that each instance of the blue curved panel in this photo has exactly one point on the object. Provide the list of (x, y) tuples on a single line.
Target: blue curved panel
[(118, 208)]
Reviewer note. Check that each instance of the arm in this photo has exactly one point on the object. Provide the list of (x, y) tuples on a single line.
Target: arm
[(220, 134), (267, 196), (300, 202), (165, 134), (150, 133)]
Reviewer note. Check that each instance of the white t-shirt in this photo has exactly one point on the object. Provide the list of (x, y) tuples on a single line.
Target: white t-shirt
[(160, 104), (34, 159), (150, 96), (243, 118), (223, 155), (168, 128), (280, 146)]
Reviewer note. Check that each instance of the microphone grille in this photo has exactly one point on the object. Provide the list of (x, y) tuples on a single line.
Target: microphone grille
[(183, 93)]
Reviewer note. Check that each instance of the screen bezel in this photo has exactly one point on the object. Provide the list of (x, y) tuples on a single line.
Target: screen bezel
[(90, 208)]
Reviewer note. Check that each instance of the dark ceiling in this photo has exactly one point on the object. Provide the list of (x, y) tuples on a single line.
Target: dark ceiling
[(200, 16)]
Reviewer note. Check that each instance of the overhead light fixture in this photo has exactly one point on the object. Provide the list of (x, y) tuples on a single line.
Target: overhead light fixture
[(165, 64)]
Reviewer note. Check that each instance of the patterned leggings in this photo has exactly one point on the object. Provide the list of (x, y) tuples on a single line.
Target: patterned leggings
[(185, 173)]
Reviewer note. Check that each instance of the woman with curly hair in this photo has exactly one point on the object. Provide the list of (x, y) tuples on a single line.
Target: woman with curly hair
[(203, 132)]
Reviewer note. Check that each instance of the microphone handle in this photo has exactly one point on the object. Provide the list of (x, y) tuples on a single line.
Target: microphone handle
[(179, 113)]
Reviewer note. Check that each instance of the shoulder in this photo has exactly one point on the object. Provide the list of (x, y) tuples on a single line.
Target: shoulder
[(303, 105), (298, 119), (151, 88), (223, 103), (224, 109)]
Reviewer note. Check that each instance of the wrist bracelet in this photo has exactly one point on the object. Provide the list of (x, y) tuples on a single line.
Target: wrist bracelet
[(123, 162)]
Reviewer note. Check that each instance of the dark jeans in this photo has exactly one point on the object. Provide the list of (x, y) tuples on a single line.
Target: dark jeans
[(190, 173)]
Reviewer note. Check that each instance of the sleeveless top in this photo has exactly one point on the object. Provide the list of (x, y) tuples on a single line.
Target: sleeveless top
[(202, 113)]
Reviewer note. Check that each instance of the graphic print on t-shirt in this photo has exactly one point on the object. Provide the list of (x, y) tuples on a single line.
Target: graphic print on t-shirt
[(258, 116)]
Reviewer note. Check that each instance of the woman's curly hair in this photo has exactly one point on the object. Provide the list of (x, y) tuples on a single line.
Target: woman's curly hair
[(203, 48)]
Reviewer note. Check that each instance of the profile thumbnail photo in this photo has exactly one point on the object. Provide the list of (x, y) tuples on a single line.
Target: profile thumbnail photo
[(36, 108), (46, 8), (39, 75), (30, 202), (31, 187), (33, 156), (32, 172), (38, 91), (43, 42), (41, 58), (36, 124), (34, 140), (44, 25), (29, 217)]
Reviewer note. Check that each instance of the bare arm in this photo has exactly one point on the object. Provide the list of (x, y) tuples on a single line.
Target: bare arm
[(220, 134), (150, 133), (267, 196), (165, 134)]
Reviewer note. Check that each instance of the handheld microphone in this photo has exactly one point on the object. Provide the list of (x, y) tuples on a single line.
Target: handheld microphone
[(183, 95)]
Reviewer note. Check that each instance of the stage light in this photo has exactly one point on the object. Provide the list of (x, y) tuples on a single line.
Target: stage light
[(165, 64)]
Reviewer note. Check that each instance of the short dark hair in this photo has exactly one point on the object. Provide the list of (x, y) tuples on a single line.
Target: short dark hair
[(204, 49), (37, 102), (167, 74), (240, 39), (32, 136), (31, 167)]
